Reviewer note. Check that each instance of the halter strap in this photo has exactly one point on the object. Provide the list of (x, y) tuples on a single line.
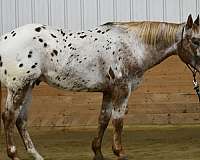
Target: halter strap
[(193, 70), (195, 83)]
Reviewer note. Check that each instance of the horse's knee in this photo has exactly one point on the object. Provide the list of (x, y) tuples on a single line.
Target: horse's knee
[(7, 118), (104, 119), (118, 113)]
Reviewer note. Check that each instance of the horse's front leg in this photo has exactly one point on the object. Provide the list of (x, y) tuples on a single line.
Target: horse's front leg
[(104, 119), (120, 102), (117, 139)]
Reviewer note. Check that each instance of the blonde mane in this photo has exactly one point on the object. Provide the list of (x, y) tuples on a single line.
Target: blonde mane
[(153, 33)]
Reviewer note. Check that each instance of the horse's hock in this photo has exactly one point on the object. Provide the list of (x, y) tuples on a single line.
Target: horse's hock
[(166, 96)]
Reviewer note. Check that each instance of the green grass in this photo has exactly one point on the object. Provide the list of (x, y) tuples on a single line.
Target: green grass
[(141, 143)]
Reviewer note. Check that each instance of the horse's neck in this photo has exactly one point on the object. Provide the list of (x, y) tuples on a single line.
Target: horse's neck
[(154, 56), (163, 45)]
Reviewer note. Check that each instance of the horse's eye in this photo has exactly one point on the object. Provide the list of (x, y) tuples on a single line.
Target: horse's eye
[(196, 41)]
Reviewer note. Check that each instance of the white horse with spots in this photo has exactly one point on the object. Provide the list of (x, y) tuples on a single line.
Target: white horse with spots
[(111, 59)]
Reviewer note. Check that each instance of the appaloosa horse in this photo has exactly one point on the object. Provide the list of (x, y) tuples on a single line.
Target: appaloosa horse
[(111, 58)]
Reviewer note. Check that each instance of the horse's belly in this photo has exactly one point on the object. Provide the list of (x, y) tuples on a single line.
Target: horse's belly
[(74, 81)]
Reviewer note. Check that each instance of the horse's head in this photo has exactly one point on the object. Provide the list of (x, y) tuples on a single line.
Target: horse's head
[(189, 45)]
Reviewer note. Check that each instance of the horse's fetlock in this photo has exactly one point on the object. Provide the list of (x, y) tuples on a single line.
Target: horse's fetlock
[(34, 154), (96, 144), (12, 152), (117, 151)]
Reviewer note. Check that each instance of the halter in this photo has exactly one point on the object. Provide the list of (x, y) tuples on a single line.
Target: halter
[(195, 83), (192, 69)]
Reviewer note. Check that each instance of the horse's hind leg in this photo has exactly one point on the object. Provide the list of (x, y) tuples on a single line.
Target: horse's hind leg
[(21, 124), (13, 102), (104, 119)]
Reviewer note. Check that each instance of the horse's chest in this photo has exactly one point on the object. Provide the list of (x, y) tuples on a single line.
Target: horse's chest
[(135, 83)]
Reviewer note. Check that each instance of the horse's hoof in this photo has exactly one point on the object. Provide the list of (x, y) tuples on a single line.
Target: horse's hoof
[(39, 158), (98, 157), (16, 158), (124, 157)]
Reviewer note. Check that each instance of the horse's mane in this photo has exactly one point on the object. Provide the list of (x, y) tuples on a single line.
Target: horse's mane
[(151, 32)]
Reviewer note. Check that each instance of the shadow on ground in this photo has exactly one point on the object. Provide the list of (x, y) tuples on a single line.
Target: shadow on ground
[(141, 143)]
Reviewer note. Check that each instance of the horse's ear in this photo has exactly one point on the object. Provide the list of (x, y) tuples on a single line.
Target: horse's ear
[(189, 22), (197, 20)]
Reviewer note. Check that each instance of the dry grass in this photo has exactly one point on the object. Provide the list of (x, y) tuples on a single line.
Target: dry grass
[(141, 143)]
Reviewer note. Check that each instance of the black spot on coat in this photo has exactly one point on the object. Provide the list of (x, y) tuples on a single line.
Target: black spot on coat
[(41, 40), (69, 45), (55, 52), (53, 35), (33, 66), (38, 29), (63, 33), (83, 36), (45, 44)]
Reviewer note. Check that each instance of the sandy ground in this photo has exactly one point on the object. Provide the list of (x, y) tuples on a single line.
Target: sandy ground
[(141, 143)]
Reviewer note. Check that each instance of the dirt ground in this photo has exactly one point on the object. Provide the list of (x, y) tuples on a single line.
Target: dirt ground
[(141, 143)]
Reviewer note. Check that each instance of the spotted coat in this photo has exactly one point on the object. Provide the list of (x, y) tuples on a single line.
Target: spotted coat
[(78, 61)]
